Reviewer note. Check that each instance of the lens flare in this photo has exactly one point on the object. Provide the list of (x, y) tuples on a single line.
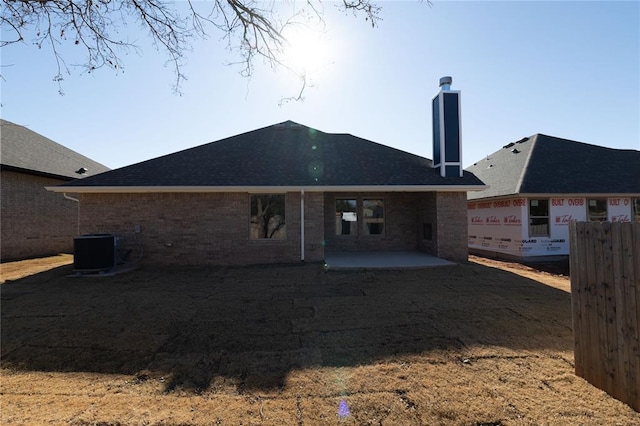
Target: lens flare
[(343, 409)]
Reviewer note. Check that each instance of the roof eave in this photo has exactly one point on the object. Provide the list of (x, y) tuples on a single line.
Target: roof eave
[(558, 195), (264, 189), (32, 172)]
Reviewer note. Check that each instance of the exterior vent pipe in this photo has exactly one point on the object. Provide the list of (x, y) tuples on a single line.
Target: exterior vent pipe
[(445, 83)]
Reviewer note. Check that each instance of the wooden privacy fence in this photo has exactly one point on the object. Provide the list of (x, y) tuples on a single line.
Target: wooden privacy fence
[(605, 297)]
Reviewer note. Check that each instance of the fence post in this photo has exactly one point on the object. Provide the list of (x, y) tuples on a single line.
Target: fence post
[(578, 297)]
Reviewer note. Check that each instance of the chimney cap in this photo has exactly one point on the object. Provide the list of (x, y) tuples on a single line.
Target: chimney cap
[(447, 80)]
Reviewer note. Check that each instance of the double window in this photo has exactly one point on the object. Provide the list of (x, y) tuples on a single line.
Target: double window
[(268, 217), (597, 210), (538, 218), (347, 222)]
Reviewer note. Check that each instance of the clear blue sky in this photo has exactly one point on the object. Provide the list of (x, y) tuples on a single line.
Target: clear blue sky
[(568, 69)]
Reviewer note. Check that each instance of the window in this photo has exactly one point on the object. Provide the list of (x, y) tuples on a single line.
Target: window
[(267, 217), (538, 218), (597, 210), (346, 217), (636, 209), (373, 216)]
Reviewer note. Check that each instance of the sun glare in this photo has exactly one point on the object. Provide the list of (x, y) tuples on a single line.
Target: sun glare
[(307, 50)]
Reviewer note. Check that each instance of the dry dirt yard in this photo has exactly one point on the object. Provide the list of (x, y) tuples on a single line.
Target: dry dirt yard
[(482, 343)]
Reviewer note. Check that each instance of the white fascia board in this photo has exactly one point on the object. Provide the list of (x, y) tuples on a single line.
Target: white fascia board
[(582, 195), (559, 195), (265, 189)]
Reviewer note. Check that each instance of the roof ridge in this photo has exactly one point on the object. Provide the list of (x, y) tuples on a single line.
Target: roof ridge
[(534, 141), (588, 144), (280, 158)]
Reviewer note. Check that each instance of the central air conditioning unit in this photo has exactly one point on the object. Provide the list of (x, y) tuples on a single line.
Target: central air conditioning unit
[(94, 253)]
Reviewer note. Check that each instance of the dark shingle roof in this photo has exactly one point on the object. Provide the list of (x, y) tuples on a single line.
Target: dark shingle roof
[(285, 154), (27, 151), (544, 164)]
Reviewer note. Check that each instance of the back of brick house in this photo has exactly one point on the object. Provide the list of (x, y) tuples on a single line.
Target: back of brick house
[(35, 222), (287, 193)]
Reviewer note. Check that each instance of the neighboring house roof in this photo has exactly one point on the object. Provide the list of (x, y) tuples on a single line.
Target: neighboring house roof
[(26, 151), (544, 164), (285, 155)]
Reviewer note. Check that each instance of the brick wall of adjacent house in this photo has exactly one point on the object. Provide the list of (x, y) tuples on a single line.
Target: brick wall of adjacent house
[(201, 228), (34, 221)]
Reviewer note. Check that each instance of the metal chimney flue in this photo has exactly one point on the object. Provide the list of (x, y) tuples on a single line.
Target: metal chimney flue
[(445, 83)]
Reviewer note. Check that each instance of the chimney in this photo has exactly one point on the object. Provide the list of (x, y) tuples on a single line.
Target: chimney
[(447, 144)]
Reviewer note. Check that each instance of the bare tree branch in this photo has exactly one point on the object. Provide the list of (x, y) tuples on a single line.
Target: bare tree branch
[(252, 29), (370, 10)]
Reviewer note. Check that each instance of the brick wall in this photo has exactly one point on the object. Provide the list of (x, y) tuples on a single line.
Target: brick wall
[(314, 226), (35, 222), (213, 228), (400, 211), (406, 215), (427, 217), (452, 241), (201, 228)]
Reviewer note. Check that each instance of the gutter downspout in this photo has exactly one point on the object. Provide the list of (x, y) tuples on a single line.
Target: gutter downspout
[(302, 225), (77, 201)]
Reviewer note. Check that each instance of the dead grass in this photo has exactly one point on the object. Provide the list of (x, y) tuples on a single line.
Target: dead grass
[(479, 343), (553, 274), (24, 268)]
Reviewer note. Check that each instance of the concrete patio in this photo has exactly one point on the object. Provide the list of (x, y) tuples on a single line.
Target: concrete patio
[(382, 260)]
